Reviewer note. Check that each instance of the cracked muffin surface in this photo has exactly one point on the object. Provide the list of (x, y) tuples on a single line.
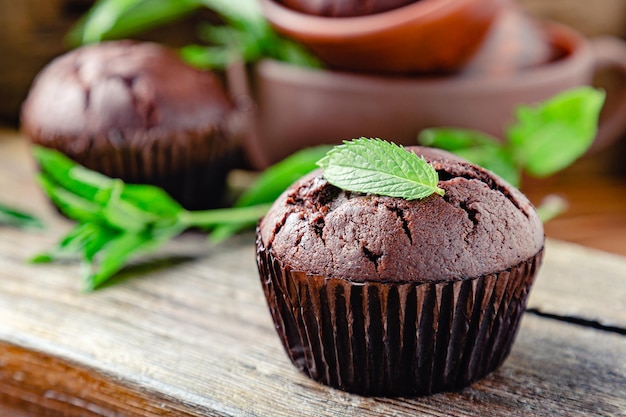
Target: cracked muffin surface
[(480, 226), (122, 85)]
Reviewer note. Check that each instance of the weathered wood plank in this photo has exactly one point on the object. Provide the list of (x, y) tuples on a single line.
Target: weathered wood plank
[(579, 282), (189, 334), (555, 369)]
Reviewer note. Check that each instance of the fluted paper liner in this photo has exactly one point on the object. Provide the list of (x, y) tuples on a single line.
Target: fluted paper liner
[(395, 338)]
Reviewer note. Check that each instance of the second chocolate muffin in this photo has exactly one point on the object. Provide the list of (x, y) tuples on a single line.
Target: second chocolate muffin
[(384, 296), (135, 111)]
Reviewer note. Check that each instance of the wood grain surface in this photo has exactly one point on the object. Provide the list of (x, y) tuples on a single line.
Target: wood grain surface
[(186, 332)]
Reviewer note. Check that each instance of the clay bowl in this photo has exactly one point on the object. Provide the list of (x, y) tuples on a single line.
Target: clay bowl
[(427, 36), (515, 42), (298, 107)]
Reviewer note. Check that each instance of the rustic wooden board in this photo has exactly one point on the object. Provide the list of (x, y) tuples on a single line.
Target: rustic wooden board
[(188, 333), (578, 282), (555, 369), (196, 338)]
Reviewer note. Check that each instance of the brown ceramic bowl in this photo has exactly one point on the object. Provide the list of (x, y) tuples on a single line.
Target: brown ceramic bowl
[(515, 42), (428, 36), (298, 107)]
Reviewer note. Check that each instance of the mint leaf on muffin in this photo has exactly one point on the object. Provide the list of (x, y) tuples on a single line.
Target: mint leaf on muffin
[(379, 167), (543, 139)]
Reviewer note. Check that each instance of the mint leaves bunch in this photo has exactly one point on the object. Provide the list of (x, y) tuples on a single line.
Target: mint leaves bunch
[(245, 34), (542, 140), (118, 221)]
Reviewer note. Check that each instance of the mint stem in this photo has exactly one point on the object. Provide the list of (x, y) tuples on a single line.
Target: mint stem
[(236, 215)]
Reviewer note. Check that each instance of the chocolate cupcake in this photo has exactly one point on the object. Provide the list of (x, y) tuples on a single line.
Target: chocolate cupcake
[(384, 296), (135, 111)]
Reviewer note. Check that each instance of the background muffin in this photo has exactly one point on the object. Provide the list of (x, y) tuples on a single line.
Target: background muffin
[(135, 111), (384, 296)]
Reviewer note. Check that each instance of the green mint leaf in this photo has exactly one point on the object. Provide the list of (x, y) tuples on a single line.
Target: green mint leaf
[(453, 139), (13, 217), (121, 214), (544, 139), (549, 137), (240, 12), (206, 57), (71, 246), (61, 171), (114, 254), (286, 50), (228, 45), (151, 199), (496, 160), (73, 206), (476, 147), (103, 17), (117, 19), (379, 167)]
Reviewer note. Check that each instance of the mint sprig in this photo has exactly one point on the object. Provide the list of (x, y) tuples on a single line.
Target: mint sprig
[(379, 167), (543, 139), (117, 222), (246, 35)]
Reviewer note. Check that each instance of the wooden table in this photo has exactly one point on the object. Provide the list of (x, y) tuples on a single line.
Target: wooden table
[(187, 333)]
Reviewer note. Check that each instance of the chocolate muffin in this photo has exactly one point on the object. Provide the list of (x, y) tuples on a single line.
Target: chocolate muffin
[(135, 111), (344, 8), (383, 296)]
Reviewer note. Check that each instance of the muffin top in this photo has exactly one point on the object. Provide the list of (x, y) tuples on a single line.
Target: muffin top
[(124, 87), (480, 226)]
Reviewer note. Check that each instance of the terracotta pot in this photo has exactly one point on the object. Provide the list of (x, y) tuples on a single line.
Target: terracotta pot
[(427, 36), (298, 107)]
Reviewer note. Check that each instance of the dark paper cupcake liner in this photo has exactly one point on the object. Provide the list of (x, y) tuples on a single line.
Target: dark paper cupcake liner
[(394, 339)]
